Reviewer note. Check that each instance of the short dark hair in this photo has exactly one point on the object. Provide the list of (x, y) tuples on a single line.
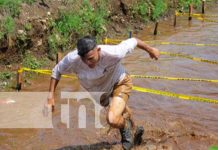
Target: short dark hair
[(85, 44)]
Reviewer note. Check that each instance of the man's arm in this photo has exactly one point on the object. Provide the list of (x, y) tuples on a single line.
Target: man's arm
[(153, 52), (52, 87), (49, 105), (65, 66)]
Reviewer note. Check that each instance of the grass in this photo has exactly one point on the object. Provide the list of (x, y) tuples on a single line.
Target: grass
[(160, 7), (149, 9), (141, 9), (184, 4), (6, 78), (7, 26), (30, 2), (213, 148), (12, 7), (81, 20), (32, 62), (5, 75)]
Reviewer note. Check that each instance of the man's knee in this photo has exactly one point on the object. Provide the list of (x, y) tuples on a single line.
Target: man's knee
[(114, 120)]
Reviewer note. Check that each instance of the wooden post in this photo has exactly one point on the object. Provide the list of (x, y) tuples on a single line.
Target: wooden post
[(190, 12), (156, 27), (203, 6), (19, 78), (175, 19), (130, 34), (58, 57)]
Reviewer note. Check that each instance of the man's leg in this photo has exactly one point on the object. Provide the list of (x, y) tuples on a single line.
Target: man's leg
[(119, 114), (115, 113), (118, 118)]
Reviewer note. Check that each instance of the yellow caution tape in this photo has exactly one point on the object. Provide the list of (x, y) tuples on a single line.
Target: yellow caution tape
[(47, 72), (140, 89), (175, 95), (194, 14), (208, 20), (198, 16), (116, 41), (190, 57), (173, 78)]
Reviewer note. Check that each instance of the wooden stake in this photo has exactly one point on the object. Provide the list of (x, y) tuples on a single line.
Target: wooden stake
[(190, 12), (175, 20), (203, 6), (19, 78), (156, 27), (58, 57)]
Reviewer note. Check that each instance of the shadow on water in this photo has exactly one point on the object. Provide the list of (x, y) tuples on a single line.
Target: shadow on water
[(96, 146)]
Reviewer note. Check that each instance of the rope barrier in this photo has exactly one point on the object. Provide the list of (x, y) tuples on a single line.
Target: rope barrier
[(146, 90), (48, 72), (208, 20), (194, 15), (175, 95), (116, 41), (173, 78), (190, 57), (201, 17)]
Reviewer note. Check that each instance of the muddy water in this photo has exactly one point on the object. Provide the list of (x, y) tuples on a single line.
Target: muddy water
[(169, 123)]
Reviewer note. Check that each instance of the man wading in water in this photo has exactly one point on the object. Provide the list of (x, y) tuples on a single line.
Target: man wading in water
[(99, 69)]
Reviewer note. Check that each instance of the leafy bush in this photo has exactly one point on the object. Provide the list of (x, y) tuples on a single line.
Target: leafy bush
[(159, 8), (5, 75), (185, 3), (31, 61), (141, 8), (28, 26), (81, 20), (7, 26), (149, 9), (11, 7)]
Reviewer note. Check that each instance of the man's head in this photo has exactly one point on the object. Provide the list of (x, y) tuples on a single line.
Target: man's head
[(88, 51)]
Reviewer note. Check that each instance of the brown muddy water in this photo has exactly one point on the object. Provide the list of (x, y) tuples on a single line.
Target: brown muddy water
[(169, 123)]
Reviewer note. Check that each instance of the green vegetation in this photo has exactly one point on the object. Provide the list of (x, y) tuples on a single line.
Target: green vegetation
[(185, 3), (28, 26), (32, 62), (23, 43), (6, 79), (149, 9), (29, 1), (81, 20), (12, 7), (142, 9), (5, 75), (7, 26), (160, 7), (213, 148)]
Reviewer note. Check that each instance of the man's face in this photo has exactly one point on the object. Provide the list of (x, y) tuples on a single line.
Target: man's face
[(92, 57)]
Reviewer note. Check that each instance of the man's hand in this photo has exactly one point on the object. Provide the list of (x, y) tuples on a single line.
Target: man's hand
[(51, 103), (48, 107), (154, 53)]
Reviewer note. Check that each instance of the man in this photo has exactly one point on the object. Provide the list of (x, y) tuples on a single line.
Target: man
[(99, 69)]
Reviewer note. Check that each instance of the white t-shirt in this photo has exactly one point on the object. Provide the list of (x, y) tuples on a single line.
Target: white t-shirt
[(107, 72)]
